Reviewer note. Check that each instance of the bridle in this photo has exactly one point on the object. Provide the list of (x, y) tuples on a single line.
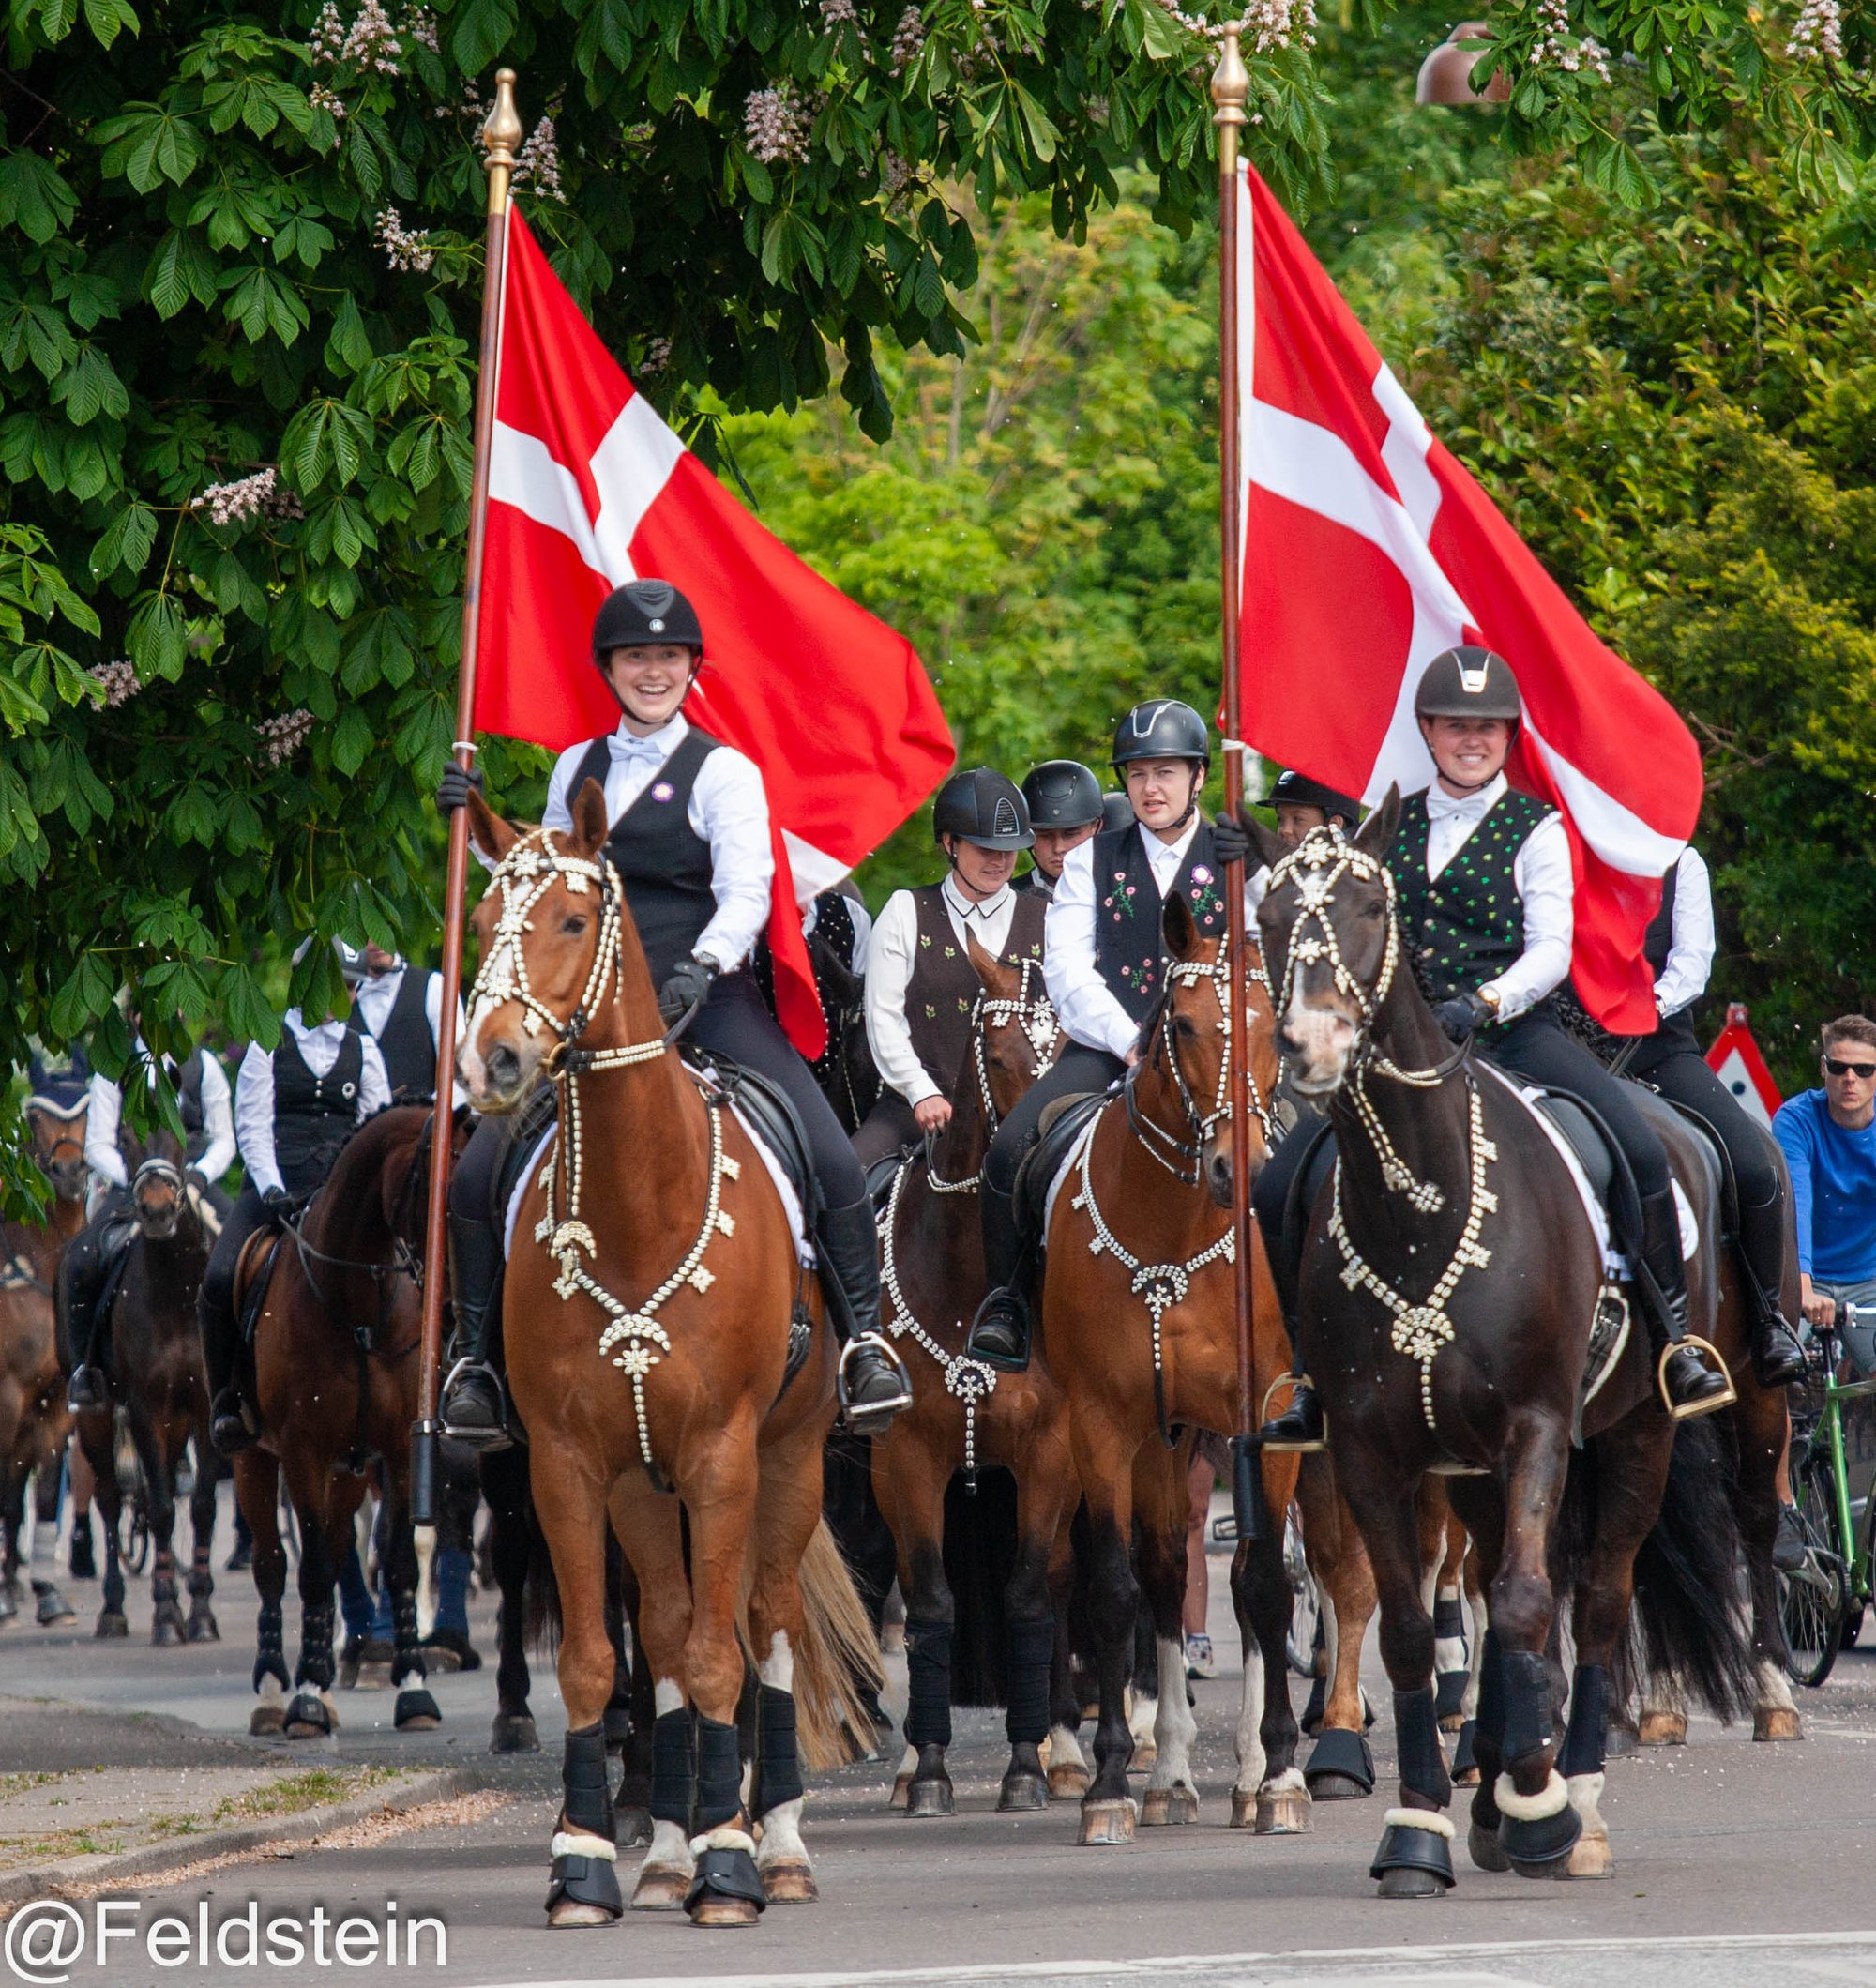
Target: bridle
[(1031, 1011), (1181, 1157), (67, 1141)]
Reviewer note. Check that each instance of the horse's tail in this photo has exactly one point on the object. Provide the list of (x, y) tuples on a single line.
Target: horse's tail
[(837, 1668), (541, 1590)]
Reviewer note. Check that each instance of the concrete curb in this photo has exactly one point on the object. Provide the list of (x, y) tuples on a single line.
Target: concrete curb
[(118, 1866)]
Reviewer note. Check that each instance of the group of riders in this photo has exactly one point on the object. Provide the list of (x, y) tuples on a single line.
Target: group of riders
[(1482, 874)]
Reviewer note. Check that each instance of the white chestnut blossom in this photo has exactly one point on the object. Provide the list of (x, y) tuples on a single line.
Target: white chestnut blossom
[(119, 680), (538, 162), (1818, 31), (405, 247), (908, 39), (775, 123), (260, 496), (281, 737)]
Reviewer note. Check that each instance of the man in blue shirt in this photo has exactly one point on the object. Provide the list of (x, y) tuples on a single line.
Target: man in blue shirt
[(1829, 1139)]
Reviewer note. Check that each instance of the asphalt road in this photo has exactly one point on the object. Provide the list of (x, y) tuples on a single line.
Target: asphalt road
[(1735, 1862)]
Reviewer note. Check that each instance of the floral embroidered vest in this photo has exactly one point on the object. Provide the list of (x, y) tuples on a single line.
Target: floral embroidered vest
[(1128, 950)]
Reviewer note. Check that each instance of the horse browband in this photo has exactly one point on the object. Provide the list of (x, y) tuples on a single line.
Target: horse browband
[(1183, 1164)]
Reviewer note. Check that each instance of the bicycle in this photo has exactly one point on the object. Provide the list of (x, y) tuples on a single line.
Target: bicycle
[(1821, 1603)]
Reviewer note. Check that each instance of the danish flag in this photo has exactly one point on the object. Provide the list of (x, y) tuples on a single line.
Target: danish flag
[(1368, 549), (588, 489)]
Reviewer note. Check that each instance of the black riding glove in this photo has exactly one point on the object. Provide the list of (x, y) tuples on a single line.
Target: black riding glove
[(452, 790), (1231, 840), (278, 1203), (1463, 1015), (689, 985)]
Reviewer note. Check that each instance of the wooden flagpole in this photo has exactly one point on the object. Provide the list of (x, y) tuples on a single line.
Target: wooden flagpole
[(501, 135), (1230, 87)]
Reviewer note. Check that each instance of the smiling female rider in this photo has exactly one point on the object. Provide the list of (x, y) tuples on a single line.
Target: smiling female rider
[(1484, 897), (690, 842)]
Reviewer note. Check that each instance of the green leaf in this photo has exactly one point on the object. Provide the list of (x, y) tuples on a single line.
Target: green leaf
[(84, 997), (34, 196), (125, 544), (57, 17), (158, 639), (90, 386), (351, 739), (106, 19), (483, 30), (148, 145), (180, 269)]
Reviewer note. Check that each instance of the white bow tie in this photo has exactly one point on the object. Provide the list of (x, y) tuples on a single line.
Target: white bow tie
[(1441, 805), (633, 748)]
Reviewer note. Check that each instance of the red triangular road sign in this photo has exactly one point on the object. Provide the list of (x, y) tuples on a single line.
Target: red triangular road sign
[(1734, 1058)]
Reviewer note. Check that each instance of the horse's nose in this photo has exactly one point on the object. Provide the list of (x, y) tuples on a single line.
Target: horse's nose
[(503, 1067), (1219, 1178)]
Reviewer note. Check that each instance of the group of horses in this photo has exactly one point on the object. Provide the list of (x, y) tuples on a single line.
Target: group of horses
[(1495, 1427)]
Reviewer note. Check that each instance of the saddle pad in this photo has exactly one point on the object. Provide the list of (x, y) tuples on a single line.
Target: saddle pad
[(1071, 1161)]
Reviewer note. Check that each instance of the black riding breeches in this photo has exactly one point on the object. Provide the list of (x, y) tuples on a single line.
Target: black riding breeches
[(887, 1127), (1681, 1074), (1079, 1068), (1534, 1047), (221, 1328)]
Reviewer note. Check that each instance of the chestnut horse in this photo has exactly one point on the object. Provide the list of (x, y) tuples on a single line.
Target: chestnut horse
[(1451, 1285), (333, 1387), (647, 1317), (1138, 1329), (966, 1416)]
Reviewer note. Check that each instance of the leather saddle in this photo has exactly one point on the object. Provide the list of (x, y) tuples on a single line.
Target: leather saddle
[(253, 1273), (1062, 1123), (884, 1172)]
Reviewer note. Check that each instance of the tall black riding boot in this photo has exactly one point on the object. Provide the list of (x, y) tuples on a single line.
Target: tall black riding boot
[(999, 1334), (1691, 1387), (1777, 1359), (475, 1407), (873, 1383), (228, 1428), (89, 1390)]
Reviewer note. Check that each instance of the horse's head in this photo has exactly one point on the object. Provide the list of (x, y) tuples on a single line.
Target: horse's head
[(1333, 945), (58, 1144), (1014, 1034), (157, 1198), (557, 944)]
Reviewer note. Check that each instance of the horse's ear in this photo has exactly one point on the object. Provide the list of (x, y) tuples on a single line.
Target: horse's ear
[(489, 833), (1177, 928), (997, 978), (1265, 842), (589, 816), (1376, 834)]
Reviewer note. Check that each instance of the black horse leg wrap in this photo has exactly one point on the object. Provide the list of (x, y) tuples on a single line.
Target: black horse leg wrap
[(672, 1769), (928, 1672), (1447, 1620), (1417, 1739), (1527, 1703), (719, 1774), (1491, 1688), (587, 1804), (777, 1763), (315, 1649), (1031, 1649), (1582, 1743)]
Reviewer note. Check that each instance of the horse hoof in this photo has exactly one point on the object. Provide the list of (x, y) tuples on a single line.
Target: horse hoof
[(307, 1717), (1337, 1788), (416, 1711), (203, 1629), (450, 1649), (1145, 1756), (718, 1912), (1106, 1822), (727, 1889), (1485, 1849), (1618, 1741), (1341, 1766), (112, 1623), (585, 1891), (166, 1630), (790, 1882), (267, 1720), (1409, 1883), (1286, 1812), (662, 1888), (930, 1798), (568, 1913), (1776, 1721), (1590, 1858), (1022, 1791), (514, 1732), (631, 1825), (1166, 1808), (1662, 1729), (54, 1611), (1068, 1782)]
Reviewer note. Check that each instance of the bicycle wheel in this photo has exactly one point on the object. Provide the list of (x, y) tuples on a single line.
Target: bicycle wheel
[(1814, 1600)]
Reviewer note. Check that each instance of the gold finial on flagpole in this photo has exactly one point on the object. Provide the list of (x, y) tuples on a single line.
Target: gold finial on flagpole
[(502, 131), (1231, 82)]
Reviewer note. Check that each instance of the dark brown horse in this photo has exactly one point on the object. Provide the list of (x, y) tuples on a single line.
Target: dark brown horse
[(1452, 1288), (649, 1313), (333, 1391), (157, 1382), (966, 1416)]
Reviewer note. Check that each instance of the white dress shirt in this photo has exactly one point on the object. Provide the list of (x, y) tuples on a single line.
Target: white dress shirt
[(1085, 1004), (255, 1090), (891, 960), (1541, 871), (1690, 951), (377, 994), (102, 1154), (728, 809)]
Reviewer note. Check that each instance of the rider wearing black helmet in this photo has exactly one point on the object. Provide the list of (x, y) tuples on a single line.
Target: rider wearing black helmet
[(1064, 798), (1105, 966), (921, 988), (690, 841), (1485, 900), (1302, 804)]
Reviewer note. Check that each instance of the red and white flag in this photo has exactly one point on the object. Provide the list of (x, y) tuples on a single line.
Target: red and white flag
[(1368, 550), (588, 489)]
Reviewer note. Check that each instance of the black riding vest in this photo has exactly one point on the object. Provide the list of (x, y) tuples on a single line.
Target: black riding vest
[(1130, 950), (1466, 926), (662, 861), (313, 1117), (944, 987), (405, 1041), (1656, 943)]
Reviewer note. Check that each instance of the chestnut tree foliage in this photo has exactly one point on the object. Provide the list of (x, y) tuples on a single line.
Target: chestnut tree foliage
[(239, 276)]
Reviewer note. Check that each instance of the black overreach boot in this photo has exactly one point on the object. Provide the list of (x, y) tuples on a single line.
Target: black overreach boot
[(475, 1410), (999, 1334), (873, 1383), (1777, 1359), (1691, 1385)]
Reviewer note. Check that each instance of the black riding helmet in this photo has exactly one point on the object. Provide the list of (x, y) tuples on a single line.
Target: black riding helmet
[(1468, 682), (1163, 729), (1297, 790), (983, 807), (1062, 793), (643, 612)]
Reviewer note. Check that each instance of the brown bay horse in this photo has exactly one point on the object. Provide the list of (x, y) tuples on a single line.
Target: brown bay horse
[(966, 1416), (1138, 1320), (1452, 1288), (333, 1387), (648, 1312)]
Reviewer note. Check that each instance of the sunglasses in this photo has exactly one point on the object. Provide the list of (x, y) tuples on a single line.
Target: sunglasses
[(1862, 1072)]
